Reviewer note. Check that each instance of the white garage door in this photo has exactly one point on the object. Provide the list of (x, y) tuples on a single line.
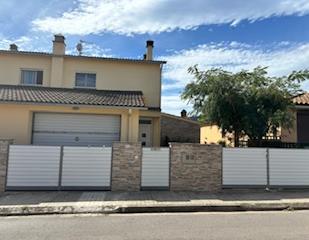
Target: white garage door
[(75, 129)]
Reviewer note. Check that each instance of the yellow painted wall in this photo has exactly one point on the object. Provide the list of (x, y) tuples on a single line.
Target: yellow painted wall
[(16, 120), (113, 75), (110, 75), (56, 75), (11, 65), (210, 134), (16, 123)]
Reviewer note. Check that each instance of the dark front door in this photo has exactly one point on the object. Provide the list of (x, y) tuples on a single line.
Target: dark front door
[(303, 127)]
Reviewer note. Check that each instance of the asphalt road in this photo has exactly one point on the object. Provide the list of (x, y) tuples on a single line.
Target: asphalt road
[(250, 225)]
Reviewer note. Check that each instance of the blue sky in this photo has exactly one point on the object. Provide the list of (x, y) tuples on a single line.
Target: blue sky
[(235, 35)]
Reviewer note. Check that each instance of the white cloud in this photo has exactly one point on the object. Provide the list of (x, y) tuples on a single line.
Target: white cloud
[(43, 43), (91, 49), (282, 58), (25, 43), (173, 104), (154, 16), (235, 56)]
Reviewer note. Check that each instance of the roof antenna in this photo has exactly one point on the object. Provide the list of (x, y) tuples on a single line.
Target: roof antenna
[(79, 47)]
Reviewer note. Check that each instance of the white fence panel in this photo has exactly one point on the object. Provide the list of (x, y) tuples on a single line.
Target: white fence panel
[(33, 166), (289, 167), (244, 166), (155, 167), (86, 167)]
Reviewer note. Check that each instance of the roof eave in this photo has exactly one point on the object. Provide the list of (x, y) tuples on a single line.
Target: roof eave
[(302, 106), (180, 118), (46, 54), (73, 105)]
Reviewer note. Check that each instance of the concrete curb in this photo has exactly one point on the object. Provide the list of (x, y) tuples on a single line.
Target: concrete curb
[(46, 210)]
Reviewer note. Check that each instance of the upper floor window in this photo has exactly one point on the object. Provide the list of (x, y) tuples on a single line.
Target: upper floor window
[(31, 77), (85, 80)]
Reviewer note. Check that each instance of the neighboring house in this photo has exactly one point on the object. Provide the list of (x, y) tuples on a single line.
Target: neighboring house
[(179, 129), (59, 99), (299, 133), (211, 134)]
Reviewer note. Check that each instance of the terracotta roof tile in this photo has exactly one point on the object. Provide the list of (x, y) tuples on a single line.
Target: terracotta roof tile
[(34, 94), (302, 99)]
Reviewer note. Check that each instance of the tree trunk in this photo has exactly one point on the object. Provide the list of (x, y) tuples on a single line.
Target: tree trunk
[(236, 139)]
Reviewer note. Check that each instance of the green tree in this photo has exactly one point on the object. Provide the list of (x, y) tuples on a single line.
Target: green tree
[(247, 103)]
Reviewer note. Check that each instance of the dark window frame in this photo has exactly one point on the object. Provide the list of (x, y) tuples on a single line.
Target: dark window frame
[(87, 80), (39, 77)]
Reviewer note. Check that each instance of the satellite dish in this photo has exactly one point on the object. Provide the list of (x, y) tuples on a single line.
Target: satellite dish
[(79, 48)]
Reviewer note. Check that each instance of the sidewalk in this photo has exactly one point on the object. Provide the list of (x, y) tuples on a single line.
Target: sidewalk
[(32, 203)]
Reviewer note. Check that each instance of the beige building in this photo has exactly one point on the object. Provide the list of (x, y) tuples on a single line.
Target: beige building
[(59, 99), (212, 134)]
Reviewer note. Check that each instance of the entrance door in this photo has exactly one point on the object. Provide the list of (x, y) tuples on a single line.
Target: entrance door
[(145, 132), (303, 127)]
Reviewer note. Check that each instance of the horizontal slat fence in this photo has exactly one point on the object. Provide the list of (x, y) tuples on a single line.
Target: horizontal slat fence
[(265, 167), (33, 167), (289, 167), (155, 168), (86, 167), (244, 167)]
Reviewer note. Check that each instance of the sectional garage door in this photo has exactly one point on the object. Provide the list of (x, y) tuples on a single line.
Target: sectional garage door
[(75, 129)]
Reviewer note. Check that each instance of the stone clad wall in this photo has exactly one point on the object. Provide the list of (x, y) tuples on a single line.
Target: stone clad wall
[(4, 150), (126, 166), (195, 167)]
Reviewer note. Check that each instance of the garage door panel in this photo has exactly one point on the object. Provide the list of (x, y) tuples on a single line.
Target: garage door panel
[(75, 122), (86, 167), (75, 129), (69, 139)]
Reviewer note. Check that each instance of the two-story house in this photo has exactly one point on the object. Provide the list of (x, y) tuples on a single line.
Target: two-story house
[(59, 99)]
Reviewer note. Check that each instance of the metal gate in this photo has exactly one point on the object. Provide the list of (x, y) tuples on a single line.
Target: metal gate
[(265, 167), (244, 167), (54, 167), (86, 168), (155, 168), (289, 167), (33, 167)]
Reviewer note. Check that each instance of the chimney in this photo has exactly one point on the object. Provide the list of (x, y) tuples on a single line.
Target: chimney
[(59, 45), (183, 113), (149, 47), (13, 47)]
